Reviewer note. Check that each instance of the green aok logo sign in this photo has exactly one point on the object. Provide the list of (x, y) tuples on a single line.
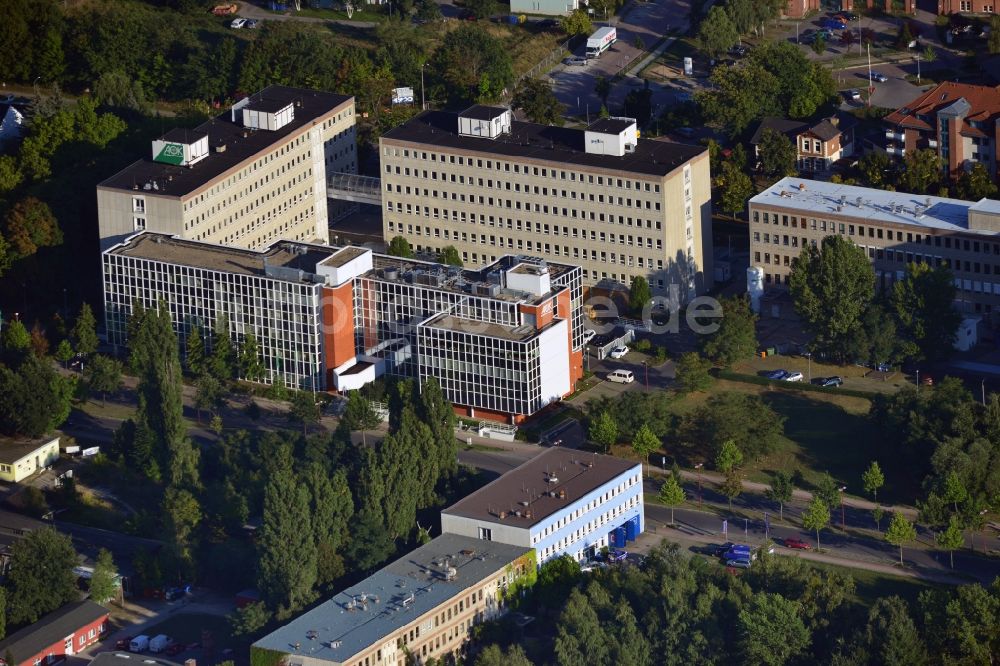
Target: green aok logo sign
[(171, 153)]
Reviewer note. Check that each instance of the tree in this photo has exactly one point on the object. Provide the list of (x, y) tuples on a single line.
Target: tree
[(742, 14), (28, 226), (645, 442), (482, 9), (576, 22), (953, 490), (921, 171), (604, 430), (891, 636), (34, 398), (104, 375), (222, 361), (39, 341), (692, 372), (103, 585), (729, 456), (873, 479), (428, 11), (539, 103), (250, 364), (181, 516), (304, 409), (16, 339), (828, 490), (877, 514), (286, 568), (993, 39), (41, 577), (449, 254), (819, 45), (874, 167), (736, 337), (876, 340), (741, 417), (975, 183), (602, 88), (209, 394), (249, 619), (772, 632), (740, 96), (64, 352), (951, 539), (84, 334), (671, 494), (731, 486), (781, 491), (580, 638), (492, 655), (400, 247), (717, 33), (331, 507), (816, 517), (639, 294), (832, 286), (924, 305), (777, 154), (900, 532), (194, 350), (737, 188), (472, 65), (359, 414)]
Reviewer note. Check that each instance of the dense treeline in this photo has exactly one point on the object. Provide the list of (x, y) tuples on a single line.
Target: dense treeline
[(677, 609)]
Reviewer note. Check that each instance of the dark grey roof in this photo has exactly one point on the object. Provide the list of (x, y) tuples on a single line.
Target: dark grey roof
[(13, 449), (824, 130), (267, 102), (17, 525), (610, 125), (483, 112), (178, 181), (128, 659), (365, 614), (786, 127), (578, 473), (558, 145), (51, 629), (181, 135)]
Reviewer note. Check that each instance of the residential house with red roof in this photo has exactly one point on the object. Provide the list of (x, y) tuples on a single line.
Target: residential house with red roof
[(960, 121)]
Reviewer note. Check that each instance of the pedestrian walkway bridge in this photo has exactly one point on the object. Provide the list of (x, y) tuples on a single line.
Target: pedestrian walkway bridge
[(352, 187)]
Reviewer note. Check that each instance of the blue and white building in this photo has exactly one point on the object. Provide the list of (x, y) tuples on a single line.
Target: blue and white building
[(562, 502)]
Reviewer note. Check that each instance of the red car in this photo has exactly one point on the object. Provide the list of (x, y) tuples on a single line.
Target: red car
[(797, 544)]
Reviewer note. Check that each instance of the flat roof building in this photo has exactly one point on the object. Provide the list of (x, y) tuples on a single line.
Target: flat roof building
[(424, 604), (561, 502), (893, 228), (22, 456), (502, 341), (248, 177), (617, 205), (61, 633)]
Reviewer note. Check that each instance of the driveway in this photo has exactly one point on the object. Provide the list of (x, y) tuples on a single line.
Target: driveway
[(892, 94)]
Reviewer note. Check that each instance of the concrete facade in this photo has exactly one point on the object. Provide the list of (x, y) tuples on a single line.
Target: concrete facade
[(894, 229), (538, 190), (257, 182)]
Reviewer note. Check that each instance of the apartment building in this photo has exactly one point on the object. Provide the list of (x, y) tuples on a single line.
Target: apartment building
[(967, 6), (888, 6), (799, 8), (248, 177), (422, 606), (818, 146), (503, 341), (561, 502), (616, 205), (893, 228), (958, 120)]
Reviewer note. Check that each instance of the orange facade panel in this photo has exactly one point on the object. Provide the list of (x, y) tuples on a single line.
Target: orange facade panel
[(338, 325)]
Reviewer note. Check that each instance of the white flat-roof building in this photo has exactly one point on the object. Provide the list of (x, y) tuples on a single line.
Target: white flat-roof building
[(893, 228), (561, 502), (22, 457)]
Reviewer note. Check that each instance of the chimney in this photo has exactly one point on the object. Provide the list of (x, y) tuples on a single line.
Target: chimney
[(802, 186)]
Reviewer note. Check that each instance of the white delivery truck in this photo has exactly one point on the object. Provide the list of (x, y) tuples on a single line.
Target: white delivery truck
[(139, 643), (160, 643), (601, 41)]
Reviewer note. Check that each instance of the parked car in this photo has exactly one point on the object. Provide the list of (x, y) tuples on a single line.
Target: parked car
[(853, 95), (621, 377), (846, 17), (796, 544), (825, 33), (251, 23), (832, 381), (833, 24), (739, 51), (588, 335), (618, 352), (793, 377), (238, 23), (723, 549), (878, 76), (738, 563), (575, 60), (777, 374), (617, 555), (139, 643), (123, 643)]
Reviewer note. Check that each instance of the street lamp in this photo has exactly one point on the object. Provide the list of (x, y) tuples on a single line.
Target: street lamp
[(423, 104), (809, 356), (918, 68), (645, 365), (841, 491), (698, 467)]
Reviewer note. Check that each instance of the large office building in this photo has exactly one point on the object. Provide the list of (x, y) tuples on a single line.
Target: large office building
[(958, 121), (893, 228), (422, 606), (602, 198), (248, 177), (561, 502), (503, 341)]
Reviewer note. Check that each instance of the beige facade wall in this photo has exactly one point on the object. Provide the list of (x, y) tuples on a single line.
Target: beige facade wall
[(277, 194), (615, 225), (777, 236), (17, 470), (437, 633)]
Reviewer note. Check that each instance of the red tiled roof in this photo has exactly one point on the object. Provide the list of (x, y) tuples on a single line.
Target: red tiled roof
[(984, 100)]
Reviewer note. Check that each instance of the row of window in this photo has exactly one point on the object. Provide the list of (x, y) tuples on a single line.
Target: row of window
[(605, 518)]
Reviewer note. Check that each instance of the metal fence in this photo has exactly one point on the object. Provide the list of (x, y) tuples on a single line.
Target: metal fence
[(554, 57)]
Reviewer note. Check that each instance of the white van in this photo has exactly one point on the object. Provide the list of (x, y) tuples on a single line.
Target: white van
[(139, 644), (160, 643), (621, 376)]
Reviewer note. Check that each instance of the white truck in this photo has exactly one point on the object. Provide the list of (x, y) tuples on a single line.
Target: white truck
[(160, 643), (601, 41), (139, 643)]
